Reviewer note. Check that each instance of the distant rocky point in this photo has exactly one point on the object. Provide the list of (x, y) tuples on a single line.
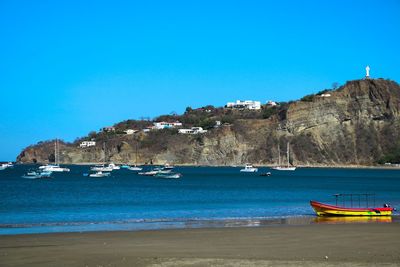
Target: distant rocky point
[(357, 124)]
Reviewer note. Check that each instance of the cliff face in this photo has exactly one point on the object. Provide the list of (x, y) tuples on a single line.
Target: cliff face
[(358, 124)]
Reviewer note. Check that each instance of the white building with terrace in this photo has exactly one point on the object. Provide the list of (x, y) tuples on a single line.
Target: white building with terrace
[(246, 104), (193, 130), (166, 125), (85, 144)]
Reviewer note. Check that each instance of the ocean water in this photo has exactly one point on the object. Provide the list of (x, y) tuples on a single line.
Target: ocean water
[(203, 197)]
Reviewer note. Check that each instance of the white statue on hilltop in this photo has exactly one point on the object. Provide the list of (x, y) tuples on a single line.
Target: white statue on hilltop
[(367, 72)]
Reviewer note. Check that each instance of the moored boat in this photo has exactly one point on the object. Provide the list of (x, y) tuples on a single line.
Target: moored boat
[(249, 168), (99, 174), (37, 175), (330, 210)]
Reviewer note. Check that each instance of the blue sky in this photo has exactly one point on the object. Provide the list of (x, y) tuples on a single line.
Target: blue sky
[(70, 67)]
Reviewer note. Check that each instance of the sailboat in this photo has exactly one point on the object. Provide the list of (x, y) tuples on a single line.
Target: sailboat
[(56, 166), (281, 167), (102, 167), (135, 167)]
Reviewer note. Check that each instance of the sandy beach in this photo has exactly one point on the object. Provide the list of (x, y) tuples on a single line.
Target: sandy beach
[(372, 244)]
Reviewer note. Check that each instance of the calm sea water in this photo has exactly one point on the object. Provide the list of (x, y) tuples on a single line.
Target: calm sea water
[(204, 196)]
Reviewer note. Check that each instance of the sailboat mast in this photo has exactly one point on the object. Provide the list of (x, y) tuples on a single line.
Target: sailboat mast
[(288, 154), (279, 155), (104, 152)]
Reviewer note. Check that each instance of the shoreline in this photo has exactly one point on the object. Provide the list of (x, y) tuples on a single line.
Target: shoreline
[(378, 167), (289, 245), (136, 225)]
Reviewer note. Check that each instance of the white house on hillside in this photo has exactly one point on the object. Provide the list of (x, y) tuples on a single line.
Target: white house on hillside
[(130, 131), (193, 130), (87, 144), (166, 125), (247, 104)]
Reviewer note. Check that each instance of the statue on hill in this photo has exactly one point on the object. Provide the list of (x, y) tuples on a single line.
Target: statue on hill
[(367, 68)]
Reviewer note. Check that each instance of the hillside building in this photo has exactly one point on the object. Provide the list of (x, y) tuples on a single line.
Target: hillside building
[(247, 104), (193, 130)]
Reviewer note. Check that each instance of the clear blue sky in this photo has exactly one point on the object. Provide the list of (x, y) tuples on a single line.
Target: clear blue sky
[(70, 67)]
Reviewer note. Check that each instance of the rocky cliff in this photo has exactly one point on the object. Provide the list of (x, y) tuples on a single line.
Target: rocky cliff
[(357, 124)]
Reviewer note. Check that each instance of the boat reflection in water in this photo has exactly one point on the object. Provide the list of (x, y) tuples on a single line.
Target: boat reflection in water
[(353, 219)]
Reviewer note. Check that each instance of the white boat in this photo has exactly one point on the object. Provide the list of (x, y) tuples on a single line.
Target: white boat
[(249, 168), (99, 174), (53, 168), (282, 167), (135, 168), (168, 167), (56, 166), (102, 168), (149, 173), (37, 175), (113, 166), (4, 166)]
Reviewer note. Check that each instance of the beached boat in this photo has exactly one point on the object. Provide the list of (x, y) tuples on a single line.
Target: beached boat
[(282, 167), (323, 209), (249, 168)]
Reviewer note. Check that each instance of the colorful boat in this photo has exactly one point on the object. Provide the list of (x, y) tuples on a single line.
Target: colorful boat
[(329, 210)]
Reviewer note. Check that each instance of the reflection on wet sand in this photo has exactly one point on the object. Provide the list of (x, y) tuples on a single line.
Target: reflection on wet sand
[(353, 219)]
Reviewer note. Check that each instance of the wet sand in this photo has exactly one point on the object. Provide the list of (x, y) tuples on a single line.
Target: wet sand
[(371, 244)]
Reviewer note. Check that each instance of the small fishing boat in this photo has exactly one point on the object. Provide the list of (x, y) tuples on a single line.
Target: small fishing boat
[(323, 209), (265, 174), (249, 168)]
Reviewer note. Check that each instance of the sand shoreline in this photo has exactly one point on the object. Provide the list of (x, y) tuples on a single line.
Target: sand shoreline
[(371, 244)]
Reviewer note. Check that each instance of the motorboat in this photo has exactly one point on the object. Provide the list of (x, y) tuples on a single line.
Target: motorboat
[(102, 168), (99, 174), (265, 174), (113, 166), (4, 166), (37, 175), (168, 167), (249, 168), (135, 168)]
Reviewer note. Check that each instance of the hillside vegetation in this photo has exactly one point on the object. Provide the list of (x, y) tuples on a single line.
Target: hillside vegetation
[(358, 124)]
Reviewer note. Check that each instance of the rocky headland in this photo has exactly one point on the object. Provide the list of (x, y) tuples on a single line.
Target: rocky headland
[(356, 124)]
